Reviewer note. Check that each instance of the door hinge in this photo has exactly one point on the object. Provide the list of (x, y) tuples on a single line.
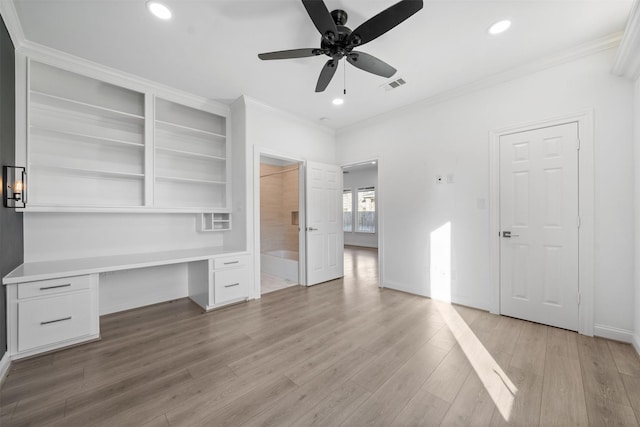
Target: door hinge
[(578, 221), (578, 144), (579, 298)]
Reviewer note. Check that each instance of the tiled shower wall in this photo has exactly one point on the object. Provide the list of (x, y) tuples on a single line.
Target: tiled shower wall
[(278, 200)]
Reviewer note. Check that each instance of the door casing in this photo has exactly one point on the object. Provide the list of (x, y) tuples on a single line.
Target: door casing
[(586, 208)]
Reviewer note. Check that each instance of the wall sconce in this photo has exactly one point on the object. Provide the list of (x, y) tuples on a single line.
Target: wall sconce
[(14, 182)]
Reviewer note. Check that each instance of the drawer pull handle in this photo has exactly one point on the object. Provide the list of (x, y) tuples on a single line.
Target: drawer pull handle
[(231, 285), (231, 262), (55, 287), (55, 321)]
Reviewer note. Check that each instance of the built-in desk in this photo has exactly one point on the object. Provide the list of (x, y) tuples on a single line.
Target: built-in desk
[(54, 304)]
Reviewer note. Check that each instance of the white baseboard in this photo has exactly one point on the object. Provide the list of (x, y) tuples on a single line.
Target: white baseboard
[(5, 364), (612, 333), (636, 342), (405, 288)]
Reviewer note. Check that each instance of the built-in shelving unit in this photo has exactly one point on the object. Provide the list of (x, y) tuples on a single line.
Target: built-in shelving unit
[(85, 141), (96, 145), (190, 157)]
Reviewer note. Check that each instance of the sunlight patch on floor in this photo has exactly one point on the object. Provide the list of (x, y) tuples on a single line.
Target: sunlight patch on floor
[(495, 380)]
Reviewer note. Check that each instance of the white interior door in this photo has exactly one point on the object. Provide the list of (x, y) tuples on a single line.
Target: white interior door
[(539, 225), (325, 248)]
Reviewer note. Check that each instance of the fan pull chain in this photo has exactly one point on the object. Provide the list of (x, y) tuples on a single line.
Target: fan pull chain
[(344, 91)]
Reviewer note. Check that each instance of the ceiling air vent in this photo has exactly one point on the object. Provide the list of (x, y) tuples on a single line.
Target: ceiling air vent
[(394, 84)]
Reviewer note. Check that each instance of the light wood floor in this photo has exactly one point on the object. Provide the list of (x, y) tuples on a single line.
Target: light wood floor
[(340, 353)]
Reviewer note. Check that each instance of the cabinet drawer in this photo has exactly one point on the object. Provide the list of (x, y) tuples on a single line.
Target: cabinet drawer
[(230, 285), (230, 262), (53, 286), (58, 318)]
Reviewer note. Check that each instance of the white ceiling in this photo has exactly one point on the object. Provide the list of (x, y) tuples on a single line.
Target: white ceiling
[(210, 47)]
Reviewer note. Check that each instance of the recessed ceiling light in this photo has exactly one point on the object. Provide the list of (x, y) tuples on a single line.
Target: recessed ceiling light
[(338, 101), (500, 27), (159, 10)]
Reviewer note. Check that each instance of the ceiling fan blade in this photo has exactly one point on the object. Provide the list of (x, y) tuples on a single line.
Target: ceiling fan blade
[(289, 54), (321, 18), (371, 64), (384, 21), (326, 75)]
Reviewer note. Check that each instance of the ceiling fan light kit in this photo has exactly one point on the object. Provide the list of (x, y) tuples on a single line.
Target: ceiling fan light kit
[(338, 41)]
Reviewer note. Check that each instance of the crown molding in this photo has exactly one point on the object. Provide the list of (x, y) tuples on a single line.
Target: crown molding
[(12, 22), (248, 101), (595, 46), (628, 58)]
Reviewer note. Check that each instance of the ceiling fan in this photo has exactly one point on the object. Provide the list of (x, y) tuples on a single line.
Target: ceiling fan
[(339, 41)]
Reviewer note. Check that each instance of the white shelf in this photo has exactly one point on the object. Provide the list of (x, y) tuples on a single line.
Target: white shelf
[(190, 153), (82, 171), (83, 137), (173, 126), (58, 102), (191, 180)]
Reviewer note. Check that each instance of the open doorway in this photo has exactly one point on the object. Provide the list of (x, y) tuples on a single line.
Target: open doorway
[(279, 223), (361, 220)]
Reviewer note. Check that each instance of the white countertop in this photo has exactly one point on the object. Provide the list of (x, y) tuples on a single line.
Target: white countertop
[(32, 271)]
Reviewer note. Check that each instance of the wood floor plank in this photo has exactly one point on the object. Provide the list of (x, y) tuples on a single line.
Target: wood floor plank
[(335, 408), (258, 399), (563, 398), (601, 376), (424, 409), (531, 348), (371, 376), (525, 407), (632, 387), (602, 412), (88, 412), (472, 405), (625, 357), (180, 393), (391, 397), (303, 399), (447, 379), (561, 342)]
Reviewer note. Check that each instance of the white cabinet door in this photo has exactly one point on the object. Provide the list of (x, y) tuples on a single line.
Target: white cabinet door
[(539, 225), (325, 238)]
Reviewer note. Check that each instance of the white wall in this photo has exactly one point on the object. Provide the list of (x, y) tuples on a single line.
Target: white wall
[(361, 178), (451, 137), (636, 137), (277, 133)]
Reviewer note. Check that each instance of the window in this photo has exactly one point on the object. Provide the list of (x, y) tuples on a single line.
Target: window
[(366, 204), (347, 210)]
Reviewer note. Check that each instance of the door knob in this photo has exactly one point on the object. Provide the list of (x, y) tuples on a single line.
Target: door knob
[(508, 235)]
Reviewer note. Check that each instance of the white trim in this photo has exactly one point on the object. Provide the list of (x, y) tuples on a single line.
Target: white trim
[(257, 152), (5, 364), (12, 22), (379, 211), (636, 342), (628, 58), (599, 45), (586, 210), (612, 333)]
